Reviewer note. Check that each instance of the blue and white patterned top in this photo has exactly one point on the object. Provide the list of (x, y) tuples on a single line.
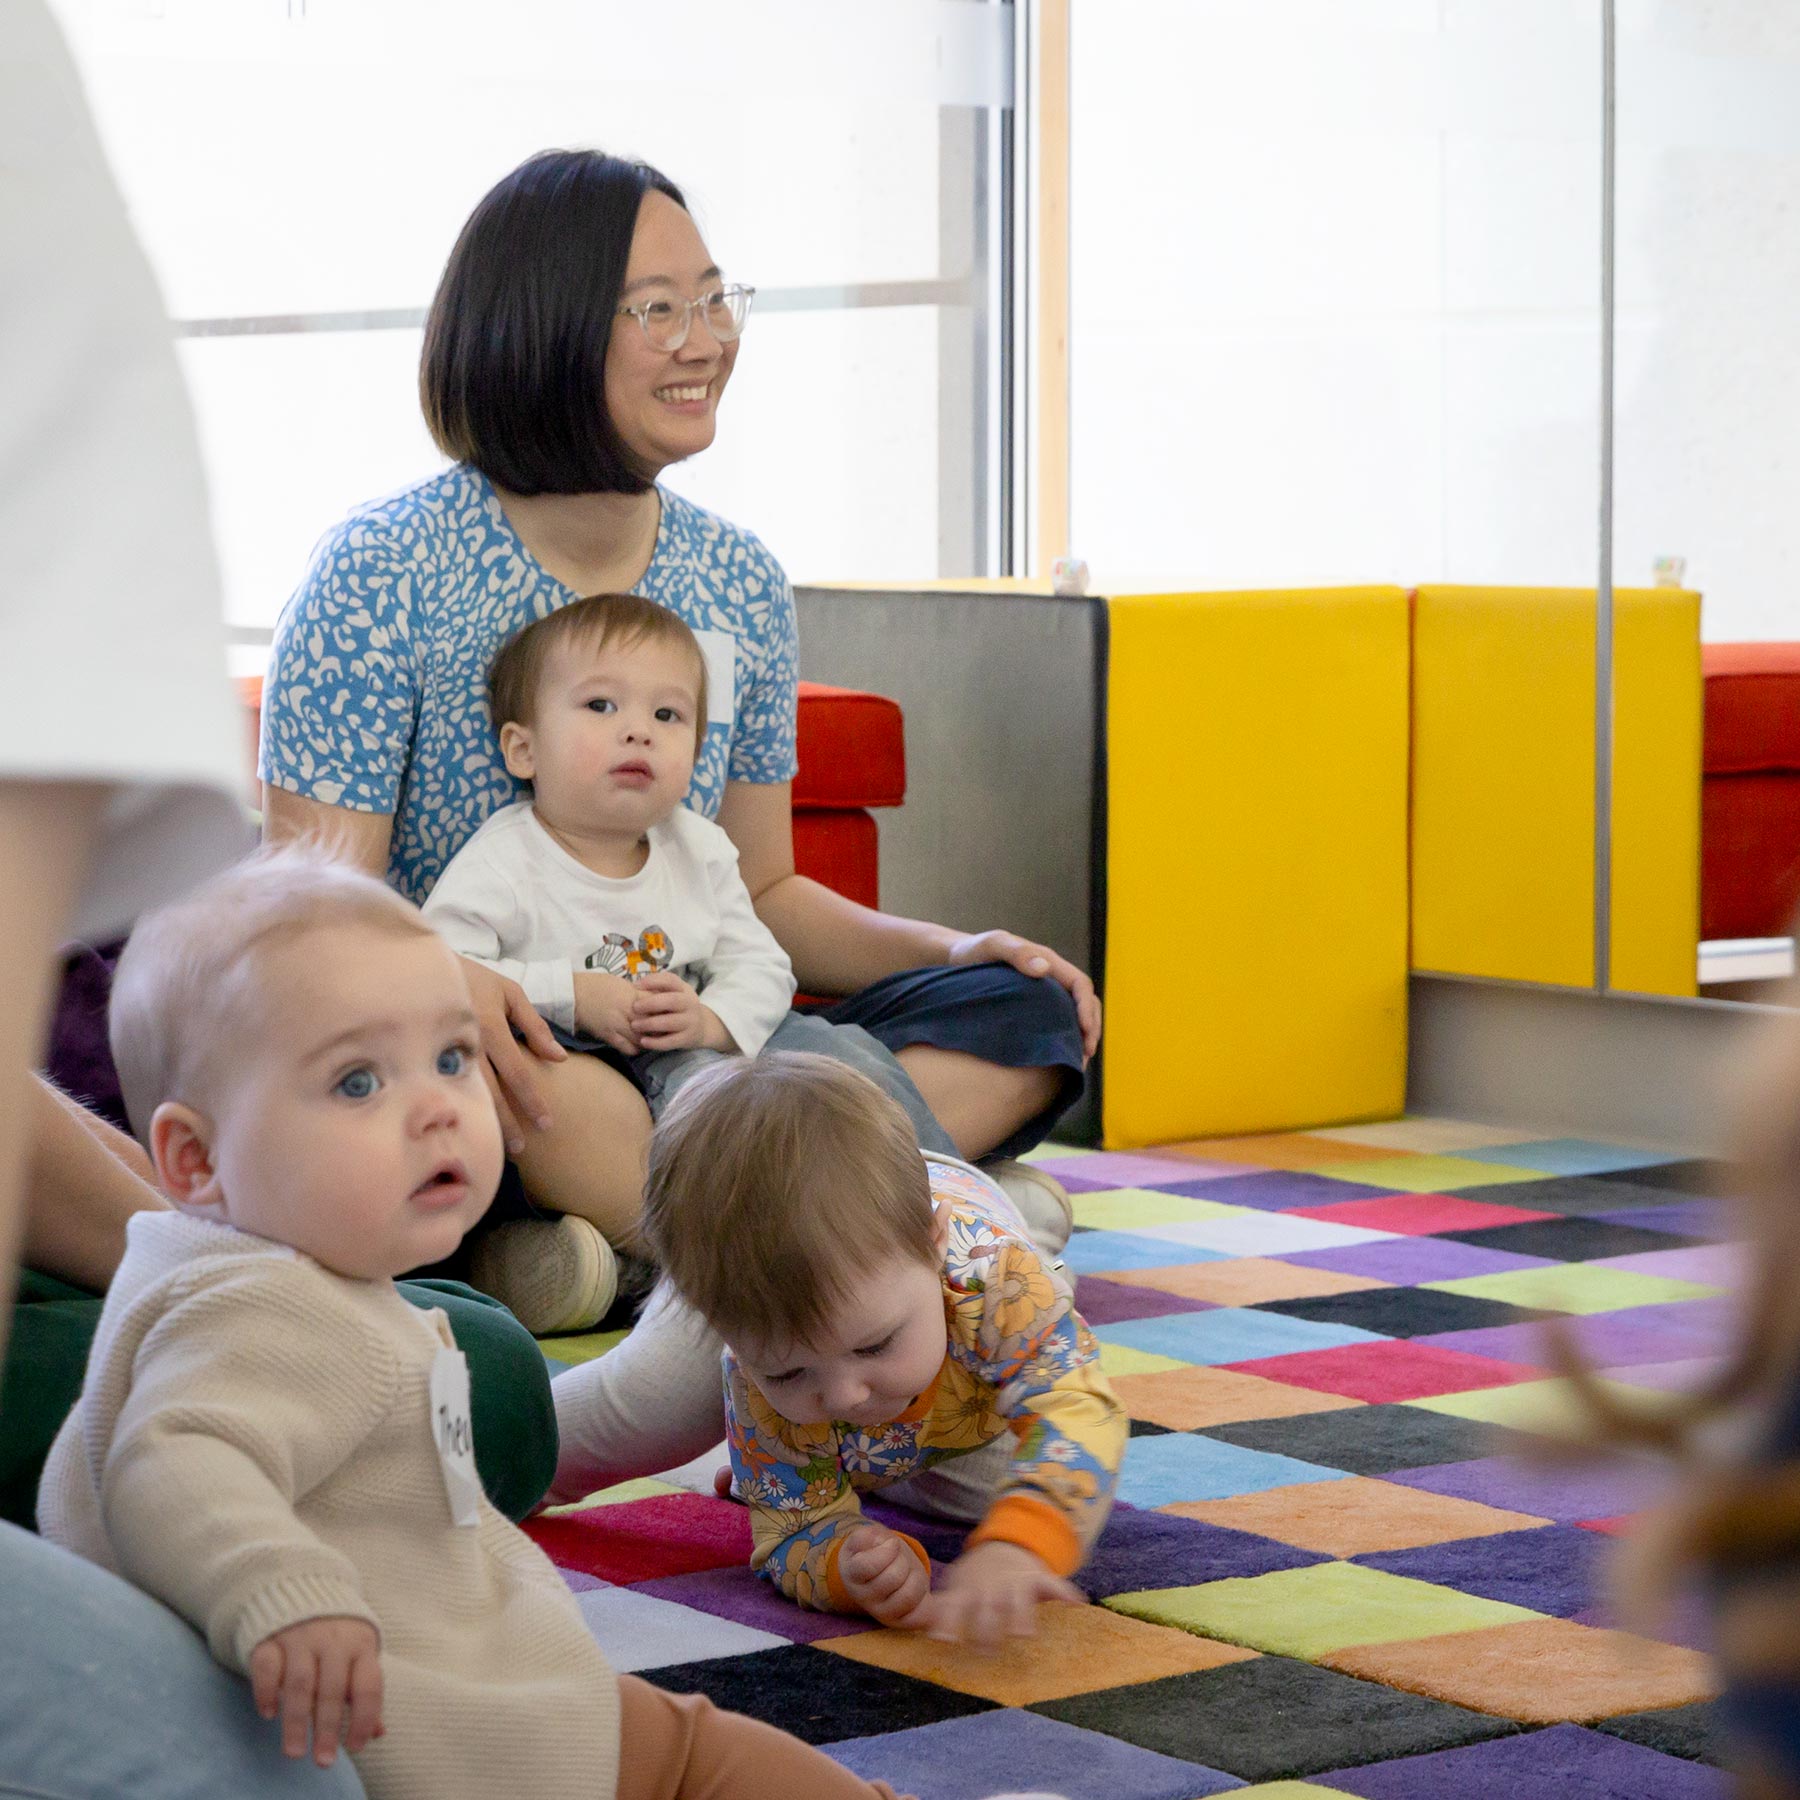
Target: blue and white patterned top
[(376, 697)]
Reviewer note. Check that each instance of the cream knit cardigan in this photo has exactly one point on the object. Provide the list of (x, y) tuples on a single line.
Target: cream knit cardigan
[(253, 1446)]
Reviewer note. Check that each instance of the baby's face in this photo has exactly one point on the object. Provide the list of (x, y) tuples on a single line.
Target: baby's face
[(358, 1127), (881, 1348), (611, 747)]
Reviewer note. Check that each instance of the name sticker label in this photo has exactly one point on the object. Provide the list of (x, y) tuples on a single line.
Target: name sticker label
[(455, 1435)]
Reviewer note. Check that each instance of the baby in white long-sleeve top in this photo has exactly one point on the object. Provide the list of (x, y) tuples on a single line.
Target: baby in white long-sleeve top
[(619, 912)]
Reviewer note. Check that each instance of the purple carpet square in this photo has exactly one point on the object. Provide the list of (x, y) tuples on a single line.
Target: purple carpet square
[(992, 1752), (1271, 1190), (1407, 1261), (1688, 1622), (1103, 1302), (1585, 1491), (1564, 1760), (1123, 1169), (942, 1539), (1505, 1343), (1715, 1265), (1550, 1569), (580, 1582), (1140, 1549), (1678, 1377), (746, 1599), (1076, 1184), (1683, 1218), (1661, 1333)]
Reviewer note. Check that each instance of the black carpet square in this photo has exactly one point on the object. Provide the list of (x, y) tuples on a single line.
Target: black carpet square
[(815, 1695), (1371, 1440), (1275, 1719), (1574, 1196), (1572, 1240), (1404, 1312), (1147, 1549), (1696, 1732), (1143, 1428), (1709, 1179)]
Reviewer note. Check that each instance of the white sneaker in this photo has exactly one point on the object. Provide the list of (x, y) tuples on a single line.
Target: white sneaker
[(1042, 1201), (552, 1274)]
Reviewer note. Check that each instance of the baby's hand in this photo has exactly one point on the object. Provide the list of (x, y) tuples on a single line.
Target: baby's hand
[(603, 1006), (991, 1593), (322, 1674), (882, 1573), (667, 1014)]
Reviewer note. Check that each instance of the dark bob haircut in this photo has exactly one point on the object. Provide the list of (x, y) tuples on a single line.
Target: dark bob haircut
[(512, 378)]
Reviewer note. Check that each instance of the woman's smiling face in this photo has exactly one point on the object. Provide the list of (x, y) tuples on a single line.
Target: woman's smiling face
[(662, 402)]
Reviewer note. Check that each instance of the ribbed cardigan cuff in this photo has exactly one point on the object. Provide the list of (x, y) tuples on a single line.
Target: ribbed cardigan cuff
[(242, 1624)]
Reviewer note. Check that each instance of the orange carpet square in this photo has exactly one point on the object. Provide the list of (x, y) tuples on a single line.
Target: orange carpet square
[(1539, 1671), (1244, 1281), (1191, 1399), (1354, 1517), (1077, 1650), (1280, 1150)]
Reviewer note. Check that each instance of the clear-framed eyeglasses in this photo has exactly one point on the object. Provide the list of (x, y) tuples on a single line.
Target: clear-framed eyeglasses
[(666, 323)]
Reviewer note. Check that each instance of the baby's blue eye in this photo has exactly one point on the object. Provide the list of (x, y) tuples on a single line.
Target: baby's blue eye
[(453, 1060), (358, 1084)]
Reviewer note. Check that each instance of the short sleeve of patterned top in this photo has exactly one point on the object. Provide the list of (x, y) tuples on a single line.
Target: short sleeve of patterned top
[(376, 698)]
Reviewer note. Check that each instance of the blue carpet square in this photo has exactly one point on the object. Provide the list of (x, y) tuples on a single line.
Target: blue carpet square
[(1162, 1470), (994, 1752), (1231, 1334), (1567, 1156), (1094, 1252)]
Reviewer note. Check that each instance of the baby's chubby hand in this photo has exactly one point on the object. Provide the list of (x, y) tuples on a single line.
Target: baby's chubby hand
[(883, 1574), (992, 1593), (323, 1676), (603, 1006), (667, 1014)]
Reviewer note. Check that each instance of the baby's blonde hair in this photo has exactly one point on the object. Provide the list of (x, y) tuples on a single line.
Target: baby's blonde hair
[(774, 1182), (181, 998)]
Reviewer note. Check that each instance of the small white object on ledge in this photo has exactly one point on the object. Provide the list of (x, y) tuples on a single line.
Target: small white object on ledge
[(1671, 571), (1068, 578)]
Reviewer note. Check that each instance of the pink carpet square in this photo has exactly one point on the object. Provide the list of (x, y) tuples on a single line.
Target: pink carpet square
[(1418, 1215), (637, 1540), (1388, 1369), (1616, 1526)]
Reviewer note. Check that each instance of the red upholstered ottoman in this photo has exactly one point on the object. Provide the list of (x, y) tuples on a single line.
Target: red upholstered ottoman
[(852, 750), (1750, 798)]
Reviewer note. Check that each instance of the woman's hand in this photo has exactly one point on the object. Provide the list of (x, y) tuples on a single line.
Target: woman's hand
[(324, 1678), (1036, 959), (505, 1016)]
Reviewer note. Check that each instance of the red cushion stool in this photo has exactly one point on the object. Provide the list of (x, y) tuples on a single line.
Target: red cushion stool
[(852, 752), (1750, 797)]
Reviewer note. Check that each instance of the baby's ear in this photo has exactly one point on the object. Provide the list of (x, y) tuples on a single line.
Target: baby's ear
[(181, 1151), (940, 1226), (515, 750)]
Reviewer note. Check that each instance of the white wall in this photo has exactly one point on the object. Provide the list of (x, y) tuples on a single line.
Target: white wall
[(1337, 287)]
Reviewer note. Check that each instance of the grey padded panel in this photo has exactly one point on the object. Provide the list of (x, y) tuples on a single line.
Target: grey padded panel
[(999, 694)]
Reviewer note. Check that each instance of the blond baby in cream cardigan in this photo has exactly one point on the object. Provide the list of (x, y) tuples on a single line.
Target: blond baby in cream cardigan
[(273, 1441)]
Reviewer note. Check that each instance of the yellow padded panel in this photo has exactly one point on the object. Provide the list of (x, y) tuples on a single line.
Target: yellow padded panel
[(1255, 930), (1503, 785)]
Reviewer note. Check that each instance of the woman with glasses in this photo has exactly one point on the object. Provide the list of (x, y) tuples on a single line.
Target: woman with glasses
[(579, 345)]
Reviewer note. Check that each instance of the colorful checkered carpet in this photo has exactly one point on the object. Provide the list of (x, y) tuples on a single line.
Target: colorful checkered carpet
[(1330, 1571)]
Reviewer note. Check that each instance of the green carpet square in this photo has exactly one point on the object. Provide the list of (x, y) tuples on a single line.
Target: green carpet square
[(1126, 1209), (1574, 1288), (1536, 1406), (1309, 1613), (1424, 1174)]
